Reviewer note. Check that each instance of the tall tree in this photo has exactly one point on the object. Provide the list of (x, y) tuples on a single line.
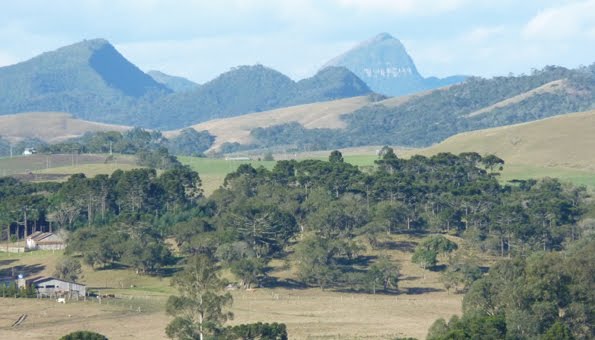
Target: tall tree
[(199, 310)]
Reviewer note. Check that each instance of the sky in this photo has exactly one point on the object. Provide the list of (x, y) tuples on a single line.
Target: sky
[(200, 39)]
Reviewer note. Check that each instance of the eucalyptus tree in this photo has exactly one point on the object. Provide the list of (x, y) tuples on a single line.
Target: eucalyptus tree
[(199, 310)]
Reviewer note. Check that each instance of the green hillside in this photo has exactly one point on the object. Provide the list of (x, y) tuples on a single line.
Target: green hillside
[(431, 117), (93, 81), (247, 89)]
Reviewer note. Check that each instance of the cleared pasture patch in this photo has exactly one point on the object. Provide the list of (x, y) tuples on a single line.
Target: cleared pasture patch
[(45, 163)]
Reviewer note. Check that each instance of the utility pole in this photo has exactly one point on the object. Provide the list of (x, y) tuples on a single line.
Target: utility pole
[(110, 148), (10, 150)]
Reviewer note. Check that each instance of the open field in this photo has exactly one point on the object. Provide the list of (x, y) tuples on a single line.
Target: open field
[(565, 141), (309, 313), (66, 164), (212, 171), (49, 126)]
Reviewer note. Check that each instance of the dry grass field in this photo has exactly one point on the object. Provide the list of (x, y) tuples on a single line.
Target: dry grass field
[(46, 163), (49, 126), (309, 313), (565, 141), (317, 115)]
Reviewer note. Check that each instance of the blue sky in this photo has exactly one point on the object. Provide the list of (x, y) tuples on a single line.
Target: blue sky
[(200, 39)]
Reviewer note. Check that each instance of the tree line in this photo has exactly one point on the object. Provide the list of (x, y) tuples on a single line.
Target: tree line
[(321, 215)]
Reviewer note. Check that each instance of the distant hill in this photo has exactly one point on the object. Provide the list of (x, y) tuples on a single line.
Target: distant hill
[(383, 63), (248, 89), (174, 83), (427, 118), (91, 80), (561, 141), (317, 115), (49, 126)]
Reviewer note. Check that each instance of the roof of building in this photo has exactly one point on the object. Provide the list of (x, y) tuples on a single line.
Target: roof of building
[(39, 236), (49, 278)]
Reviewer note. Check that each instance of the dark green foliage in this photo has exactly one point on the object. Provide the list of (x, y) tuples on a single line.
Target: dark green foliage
[(439, 244), (383, 274), (158, 159), (335, 157), (93, 81), (84, 335), (136, 246), (461, 272), (190, 143), (547, 295), (13, 291), (469, 327), (431, 118), (248, 89), (425, 258), (426, 253), (90, 79), (255, 331), (68, 269), (558, 331)]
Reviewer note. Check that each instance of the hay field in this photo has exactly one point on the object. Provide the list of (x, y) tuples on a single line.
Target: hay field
[(316, 115), (565, 141), (49, 126)]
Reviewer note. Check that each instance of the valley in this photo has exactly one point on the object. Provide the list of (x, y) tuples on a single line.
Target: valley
[(353, 197)]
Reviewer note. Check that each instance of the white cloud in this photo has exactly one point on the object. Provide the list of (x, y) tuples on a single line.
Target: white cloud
[(563, 22), (403, 7)]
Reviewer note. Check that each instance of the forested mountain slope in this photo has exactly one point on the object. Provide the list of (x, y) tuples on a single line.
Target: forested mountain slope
[(428, 118), (316, 115), (91, 80), (247, 89), (174, 83)]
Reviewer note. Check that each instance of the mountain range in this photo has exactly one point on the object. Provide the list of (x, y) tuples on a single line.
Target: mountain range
[(383, 63), (427, 118), (174, 83), (93, 81)]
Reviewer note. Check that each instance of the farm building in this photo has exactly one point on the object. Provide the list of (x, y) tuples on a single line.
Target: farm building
[(29, 151), (52, 287), (45, 241)]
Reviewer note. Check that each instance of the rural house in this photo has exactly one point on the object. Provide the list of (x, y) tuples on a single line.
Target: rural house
[(29, 151), (53, 288), (44, 241)]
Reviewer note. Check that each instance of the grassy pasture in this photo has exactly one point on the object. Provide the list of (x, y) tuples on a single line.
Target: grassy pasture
[(212, 171), (49, 126), (64, 163), (316, 115), (309, 313)]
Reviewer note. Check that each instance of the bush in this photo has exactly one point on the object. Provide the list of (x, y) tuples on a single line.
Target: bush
[(84, 335)]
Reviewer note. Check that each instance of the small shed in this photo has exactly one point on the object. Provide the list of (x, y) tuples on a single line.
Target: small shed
[(52, 287), (45, 241), (29, 151)]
